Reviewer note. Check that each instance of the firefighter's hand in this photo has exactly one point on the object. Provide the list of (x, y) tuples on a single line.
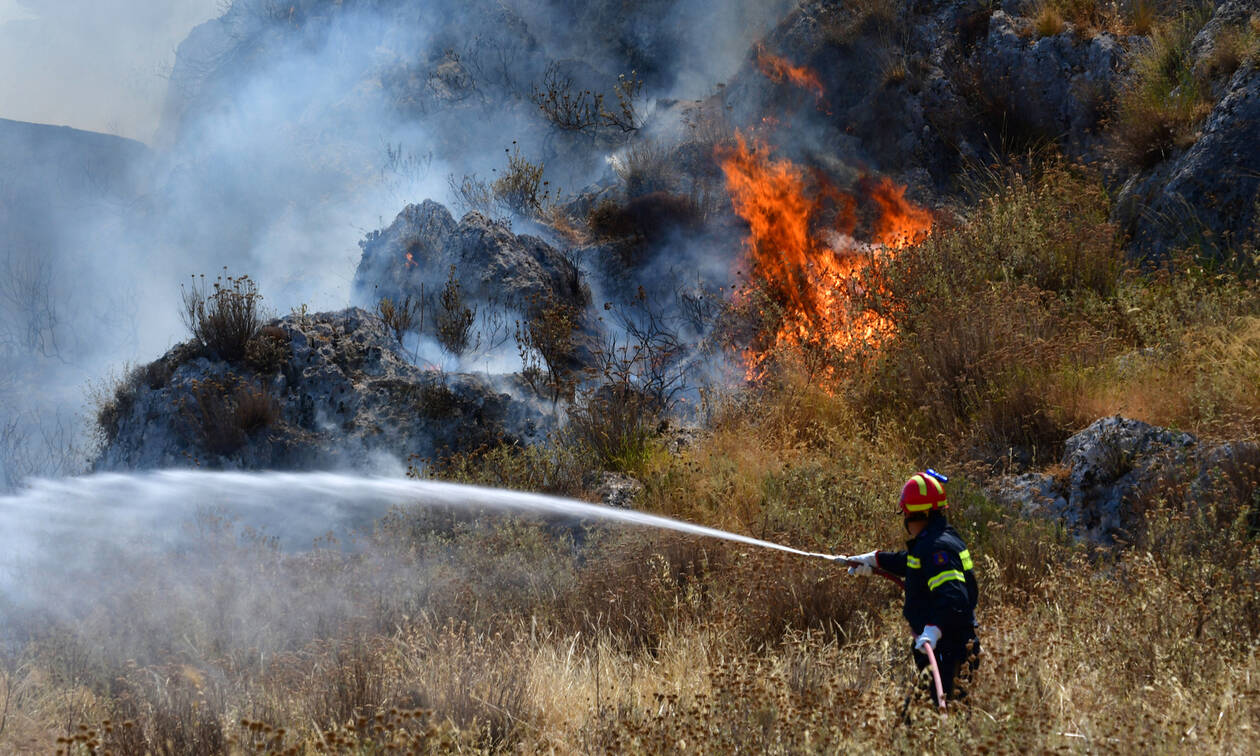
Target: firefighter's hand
[(931, 634), (863, 564)]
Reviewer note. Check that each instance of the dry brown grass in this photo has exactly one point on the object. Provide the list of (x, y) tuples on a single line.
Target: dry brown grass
[(651, 642), (1161, 108), (222, 414), (1048, 20)]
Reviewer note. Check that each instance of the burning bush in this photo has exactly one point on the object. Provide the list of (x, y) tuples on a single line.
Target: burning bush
[(803, 256), (223, 316)]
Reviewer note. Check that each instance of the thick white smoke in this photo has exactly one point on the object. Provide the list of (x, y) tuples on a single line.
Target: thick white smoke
[(270, 157)]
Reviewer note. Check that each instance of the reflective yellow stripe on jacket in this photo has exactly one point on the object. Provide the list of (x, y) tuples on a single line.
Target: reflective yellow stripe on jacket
[(912, 562), (944, 577), (965, 556)]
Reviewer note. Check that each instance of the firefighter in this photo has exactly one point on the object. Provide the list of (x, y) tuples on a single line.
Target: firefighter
[(939, 580)]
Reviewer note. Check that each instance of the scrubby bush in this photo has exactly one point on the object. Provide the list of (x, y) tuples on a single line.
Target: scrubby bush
[(1087, 17), (223, 316), (223, 414), (545, 341), (984, 309), (453, 319), (646, 167), (114, 402), (1233, 47), (1160, 109), (267, 352), (402, 316), (521, 188), (617, 423), (650, 217), (583, 111)]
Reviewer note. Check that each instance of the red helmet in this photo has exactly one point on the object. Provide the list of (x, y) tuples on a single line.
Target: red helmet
[(923, 493)]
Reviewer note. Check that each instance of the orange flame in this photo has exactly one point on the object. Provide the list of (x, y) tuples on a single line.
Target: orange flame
[(410, 260), (780, 70), (808, 264), (900, 222)]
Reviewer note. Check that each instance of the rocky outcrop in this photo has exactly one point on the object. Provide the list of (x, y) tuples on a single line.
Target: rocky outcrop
[(1208, 196), (328, 390), (618, 490), (1055, 86), (1114, 470), (492, 264), (927, 85)]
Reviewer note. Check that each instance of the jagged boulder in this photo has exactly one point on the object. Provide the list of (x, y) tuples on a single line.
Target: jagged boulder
[(1229, 16), (336, 391), (1113, 470), (492, 264), (930, 86), (1210, 194), (1057, 86)]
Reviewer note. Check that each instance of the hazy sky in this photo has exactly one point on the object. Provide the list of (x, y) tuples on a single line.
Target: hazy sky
[(92, 64)]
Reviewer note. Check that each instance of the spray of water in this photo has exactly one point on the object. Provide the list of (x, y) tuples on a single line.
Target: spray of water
[(296, 507)]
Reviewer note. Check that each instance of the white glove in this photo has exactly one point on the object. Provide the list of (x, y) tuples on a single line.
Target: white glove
[(866, 564), (931, 634)]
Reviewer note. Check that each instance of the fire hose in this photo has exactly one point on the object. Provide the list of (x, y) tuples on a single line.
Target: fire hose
[(927, 647), (936, 674)]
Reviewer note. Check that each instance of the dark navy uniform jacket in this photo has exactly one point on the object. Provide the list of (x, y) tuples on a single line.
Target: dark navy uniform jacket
[(941, 585)]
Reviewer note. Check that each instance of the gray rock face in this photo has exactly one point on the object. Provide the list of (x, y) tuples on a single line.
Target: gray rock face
[(344, 395), (1053, 85), (492, 264), (1111, 471), (618, 490), (1209, 195), (1230, 14), (927, 85)]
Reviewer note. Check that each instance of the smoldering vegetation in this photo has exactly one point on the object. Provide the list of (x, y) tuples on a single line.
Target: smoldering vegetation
[(287, 134)]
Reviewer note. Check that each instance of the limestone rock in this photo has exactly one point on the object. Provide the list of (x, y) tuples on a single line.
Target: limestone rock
[(344, 395), (1055, 85), (618, 490), (1210, 194), (491, 263), (1113, 470)]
